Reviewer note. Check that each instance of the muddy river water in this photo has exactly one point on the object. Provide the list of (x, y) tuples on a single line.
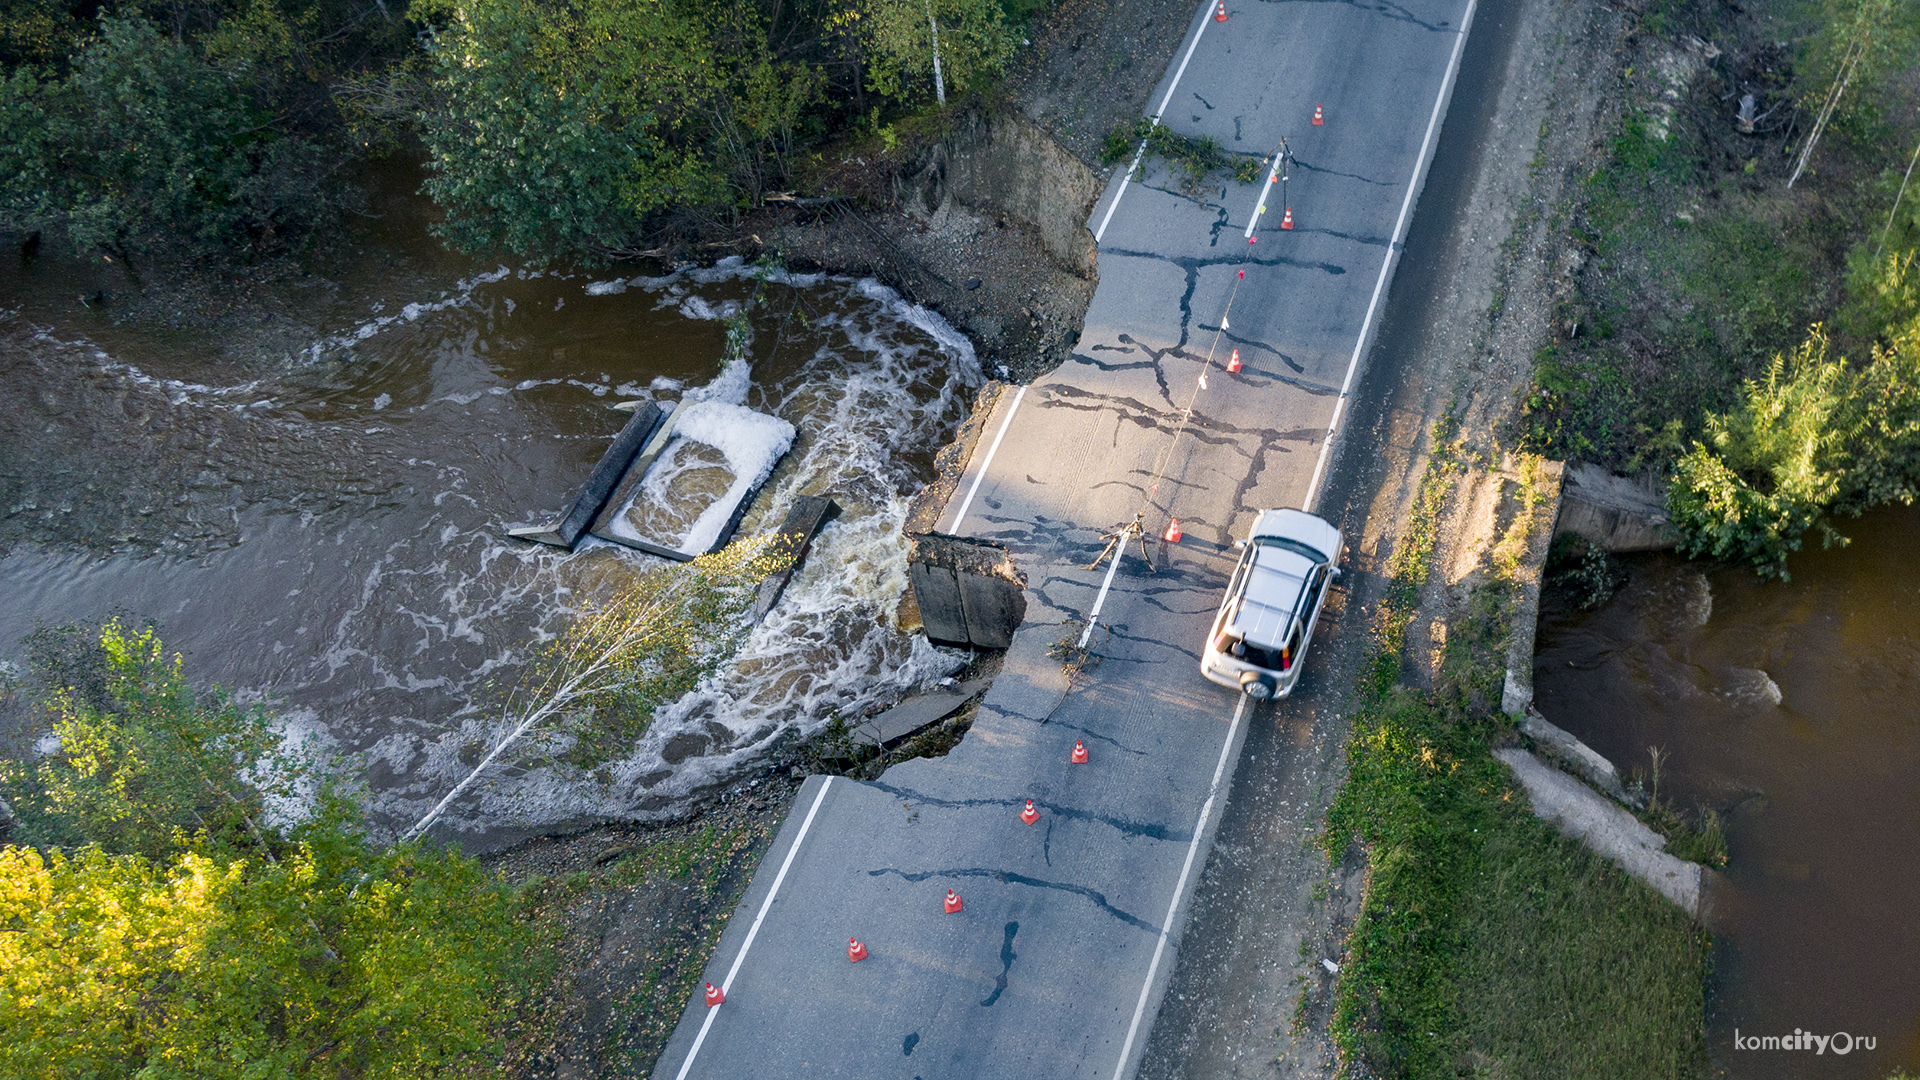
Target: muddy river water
[(321, 521), (1794, 710)]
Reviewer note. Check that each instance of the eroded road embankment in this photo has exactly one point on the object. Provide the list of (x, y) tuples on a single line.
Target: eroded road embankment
[(1057, 963)]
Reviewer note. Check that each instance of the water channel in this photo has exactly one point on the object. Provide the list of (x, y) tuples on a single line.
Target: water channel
[(1793, 709), (315, 511)]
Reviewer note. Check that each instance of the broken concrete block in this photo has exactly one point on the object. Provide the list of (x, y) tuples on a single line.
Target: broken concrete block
[(969, 591), (807, 516), (593, 495), (1615, 513)]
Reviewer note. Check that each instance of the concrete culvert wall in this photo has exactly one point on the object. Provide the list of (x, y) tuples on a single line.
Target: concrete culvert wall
[(1614, 512)]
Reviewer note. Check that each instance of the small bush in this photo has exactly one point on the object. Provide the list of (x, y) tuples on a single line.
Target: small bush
[(1194, 158)]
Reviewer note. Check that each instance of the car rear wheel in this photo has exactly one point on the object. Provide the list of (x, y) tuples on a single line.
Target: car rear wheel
[(1256, 686)]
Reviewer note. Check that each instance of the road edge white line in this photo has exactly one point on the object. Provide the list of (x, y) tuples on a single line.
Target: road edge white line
[(726, 984), (988, 460), (1393, 251), (1179, 890), (1205, 7)]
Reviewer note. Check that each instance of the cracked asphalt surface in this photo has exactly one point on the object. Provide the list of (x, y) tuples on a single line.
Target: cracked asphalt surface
[(1057, 963)]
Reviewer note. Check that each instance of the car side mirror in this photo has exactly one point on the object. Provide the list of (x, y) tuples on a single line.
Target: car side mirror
[(1239, 544)]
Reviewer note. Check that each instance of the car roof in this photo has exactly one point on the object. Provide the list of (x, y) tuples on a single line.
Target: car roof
[(1268, 601), (1299, 526)]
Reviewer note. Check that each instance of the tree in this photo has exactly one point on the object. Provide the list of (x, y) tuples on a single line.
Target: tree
[(143, 143), (975, 43), (1816, 437), (163, 931), (144, 763), (333, 961), (558, 127), (649, 643), (1770, 470)]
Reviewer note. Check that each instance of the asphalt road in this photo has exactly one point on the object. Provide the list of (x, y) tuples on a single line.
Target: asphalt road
[(1067, 939)]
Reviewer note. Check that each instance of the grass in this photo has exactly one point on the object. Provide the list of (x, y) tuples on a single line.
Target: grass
[(1569, 969), (1195, 159), (1487, 944), (1693, 284), (684, 884)]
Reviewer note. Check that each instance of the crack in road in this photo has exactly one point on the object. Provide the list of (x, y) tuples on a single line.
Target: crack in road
[(1395, 12), (1010, 878), (1121, 825)]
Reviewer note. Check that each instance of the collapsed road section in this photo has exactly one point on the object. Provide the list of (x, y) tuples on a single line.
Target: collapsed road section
[(1071, 823)]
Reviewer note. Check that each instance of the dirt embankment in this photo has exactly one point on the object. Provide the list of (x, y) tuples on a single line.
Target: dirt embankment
[(983, 218)]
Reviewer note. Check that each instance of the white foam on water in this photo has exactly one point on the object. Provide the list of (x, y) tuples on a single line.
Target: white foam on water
[(412, 619), (892, 381), (752, 444)]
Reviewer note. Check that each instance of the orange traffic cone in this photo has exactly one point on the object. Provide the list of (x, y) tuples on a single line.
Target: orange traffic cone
[(1079, 752), (1287, 221), (856, 952), (1173, 534), (1233, 363), (953, 902), (1319, 119), (715, 996), (1220, 11), (1030, 814)]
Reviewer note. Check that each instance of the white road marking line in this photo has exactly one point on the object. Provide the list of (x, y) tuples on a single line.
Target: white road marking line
[(727, 983), (988, 460), (1386, 264), (1173, 906), (1273, 171), (1205, 7), (1101, 600)]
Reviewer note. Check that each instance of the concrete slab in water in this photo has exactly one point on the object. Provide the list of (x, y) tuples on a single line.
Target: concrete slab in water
[(601, 483)]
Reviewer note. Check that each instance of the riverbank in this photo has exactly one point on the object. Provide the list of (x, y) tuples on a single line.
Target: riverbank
[(1624, 292)]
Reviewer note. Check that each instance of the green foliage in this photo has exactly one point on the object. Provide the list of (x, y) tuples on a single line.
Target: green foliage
[(1814, 437), (162, 931), (1883, 291), (1866, 42), (1194, 159), (144, 762), (1570, 969), (1678, 309), (1587, 571), (332, 961), (975, 43), (556, 128), (1416, 795), (1484, 939), (647, 644), (145, 142)]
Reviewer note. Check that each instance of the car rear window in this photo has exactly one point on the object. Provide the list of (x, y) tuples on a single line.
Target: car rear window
[(1273, 659)]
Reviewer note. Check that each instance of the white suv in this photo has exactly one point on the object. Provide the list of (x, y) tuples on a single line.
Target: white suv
[(1260, 637)]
